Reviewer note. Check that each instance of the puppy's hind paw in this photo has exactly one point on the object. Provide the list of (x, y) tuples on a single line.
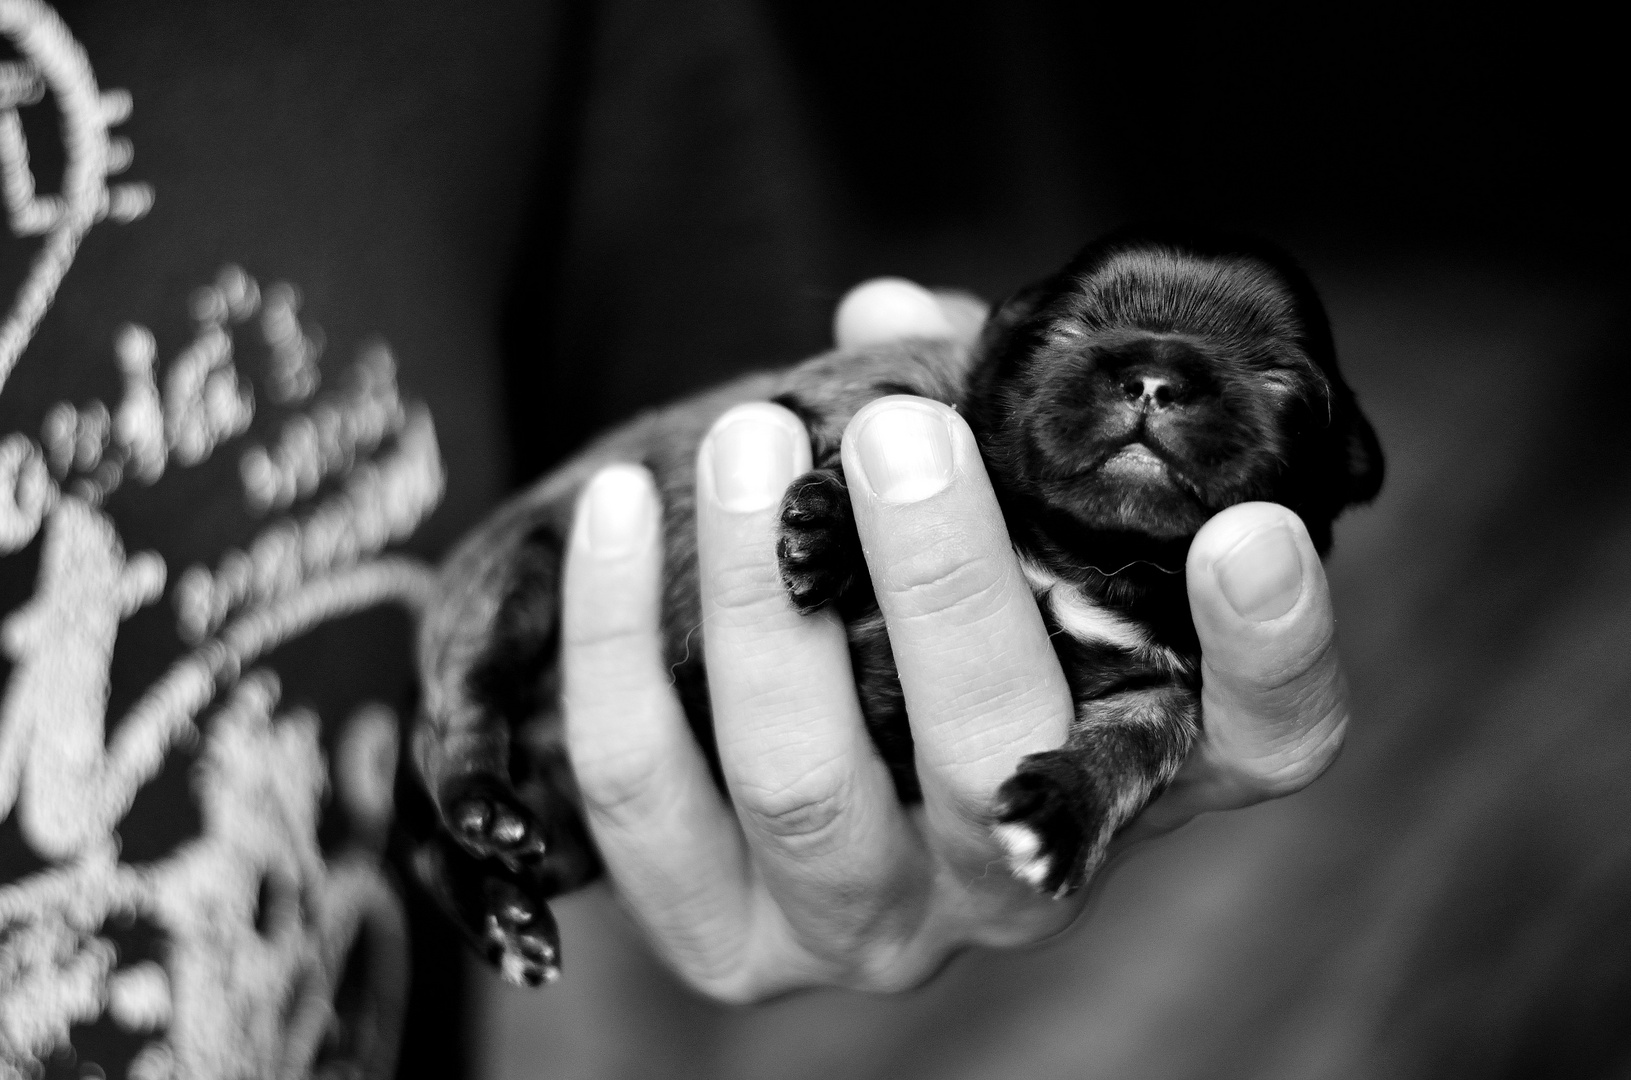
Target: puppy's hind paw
[(502, 914), (491, 823), (1047, 824), (520, 937), (816, 547), (1023, 848)]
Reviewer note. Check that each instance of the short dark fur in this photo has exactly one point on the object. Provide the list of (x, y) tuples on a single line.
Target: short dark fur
[(1214, 357)]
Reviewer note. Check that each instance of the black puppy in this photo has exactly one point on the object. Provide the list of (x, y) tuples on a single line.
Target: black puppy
[(1118, 404)]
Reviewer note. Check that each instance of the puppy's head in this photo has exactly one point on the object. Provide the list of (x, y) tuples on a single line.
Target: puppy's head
[(1153, 382)]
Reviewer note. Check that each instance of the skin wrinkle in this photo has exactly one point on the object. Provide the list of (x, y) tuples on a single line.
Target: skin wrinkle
[(934, 582), (999, 608), (801, 804), (782, 641), (805, 827), (636, 634), (704, 927), (882, 925), (1231, 781), (1305, 763), (746, 588), (1283, 689), (628, 781), (1289, 677), (974, 743), (706, 914), (805, 719), (750, 692), (1302, 746)]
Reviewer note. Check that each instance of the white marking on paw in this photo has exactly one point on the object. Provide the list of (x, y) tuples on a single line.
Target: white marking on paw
[(514, 968), (1024, 850)]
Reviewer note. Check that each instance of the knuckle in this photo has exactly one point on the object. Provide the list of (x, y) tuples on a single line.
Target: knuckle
[(1312, 750), (1289, 700), (608, 632), (805, 813), (1302, 672), (943, 578), (622, 785), (745, 585)]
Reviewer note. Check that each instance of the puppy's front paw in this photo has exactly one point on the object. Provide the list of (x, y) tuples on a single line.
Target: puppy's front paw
[(818, 551), (491, 823), (1049, 823)]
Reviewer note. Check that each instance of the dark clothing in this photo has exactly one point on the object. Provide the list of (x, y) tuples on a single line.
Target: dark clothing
[(552, 215)]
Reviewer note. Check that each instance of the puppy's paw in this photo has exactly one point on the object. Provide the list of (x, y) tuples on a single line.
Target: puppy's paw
[(490, 822), (816, 547), (1048, 824), (503, 914), (519, 936)]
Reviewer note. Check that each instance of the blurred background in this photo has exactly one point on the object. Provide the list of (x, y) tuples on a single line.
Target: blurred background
[(559, 213)]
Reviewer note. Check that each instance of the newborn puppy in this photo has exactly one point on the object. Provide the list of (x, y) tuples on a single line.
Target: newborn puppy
[(1118, 404)]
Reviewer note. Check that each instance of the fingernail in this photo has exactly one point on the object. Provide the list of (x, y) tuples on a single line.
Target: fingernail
[(618, 511), (905, 452), (753, 457), (1262, 575)]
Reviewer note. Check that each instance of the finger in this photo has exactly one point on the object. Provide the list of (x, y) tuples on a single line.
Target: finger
[(815, 800), (1274, 701), (965, 311), (667, 837), (982, 683), (886, 309)]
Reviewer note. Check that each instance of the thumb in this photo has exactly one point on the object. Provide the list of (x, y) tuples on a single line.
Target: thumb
[(1274, 701)]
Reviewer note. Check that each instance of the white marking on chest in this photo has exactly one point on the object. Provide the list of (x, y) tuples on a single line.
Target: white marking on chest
[(1082, 618)]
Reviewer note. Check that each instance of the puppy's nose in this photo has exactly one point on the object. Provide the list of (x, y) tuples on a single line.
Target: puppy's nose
[(1150, 391)]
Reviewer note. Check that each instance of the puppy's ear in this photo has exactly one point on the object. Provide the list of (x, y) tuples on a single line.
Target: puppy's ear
[(998, 335), (1359, 452), (1005, 342)]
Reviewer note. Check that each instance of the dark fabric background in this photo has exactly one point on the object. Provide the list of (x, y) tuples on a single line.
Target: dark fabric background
[(380, 157), (558, 213)]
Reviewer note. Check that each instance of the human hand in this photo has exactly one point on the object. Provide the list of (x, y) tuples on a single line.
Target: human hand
[(813, 873), (1274, 700)]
